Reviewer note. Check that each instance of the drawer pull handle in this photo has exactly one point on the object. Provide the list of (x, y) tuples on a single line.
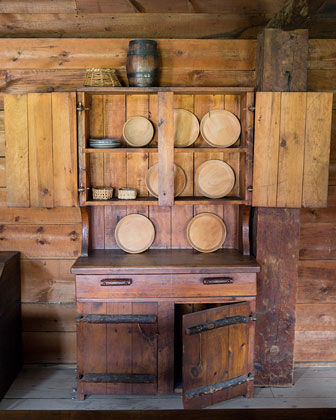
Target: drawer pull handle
[(116, 282), (218, 280)]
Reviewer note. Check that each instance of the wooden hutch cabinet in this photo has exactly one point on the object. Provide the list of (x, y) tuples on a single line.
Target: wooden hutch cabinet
[(171, 317)]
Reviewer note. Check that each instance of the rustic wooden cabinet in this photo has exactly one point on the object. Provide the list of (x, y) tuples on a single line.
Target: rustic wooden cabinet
[(173, 318), (136, 312)]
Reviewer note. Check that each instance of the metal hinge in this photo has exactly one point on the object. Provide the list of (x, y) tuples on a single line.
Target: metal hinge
[(252, 317), (81, 107), (250, 188), (82, 189), (251, 108)]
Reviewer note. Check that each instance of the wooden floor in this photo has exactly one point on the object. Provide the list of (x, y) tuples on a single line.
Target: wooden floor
[(52, 388)]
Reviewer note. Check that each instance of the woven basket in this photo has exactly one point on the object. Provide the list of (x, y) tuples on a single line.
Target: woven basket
[(102, 193), (101, 77), (127, 193)]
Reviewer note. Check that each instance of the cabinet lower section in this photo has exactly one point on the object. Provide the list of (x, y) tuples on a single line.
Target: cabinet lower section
[(166, 321), (141, 347)]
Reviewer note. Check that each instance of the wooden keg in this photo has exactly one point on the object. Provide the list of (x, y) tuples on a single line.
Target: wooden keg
[(142, 63)]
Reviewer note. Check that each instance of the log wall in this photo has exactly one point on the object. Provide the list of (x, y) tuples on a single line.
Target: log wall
[(49, 240)]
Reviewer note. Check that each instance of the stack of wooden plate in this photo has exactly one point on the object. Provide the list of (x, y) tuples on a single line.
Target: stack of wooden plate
[(106, 143)]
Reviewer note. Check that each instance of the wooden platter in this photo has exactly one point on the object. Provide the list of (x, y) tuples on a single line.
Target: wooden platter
[(214, 178), (138, 131), (206, 232), (220, 128), (152, 180), (134, 233), (186, 128)]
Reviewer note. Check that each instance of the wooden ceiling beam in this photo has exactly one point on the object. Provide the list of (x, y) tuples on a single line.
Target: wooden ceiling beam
[(296, 14)]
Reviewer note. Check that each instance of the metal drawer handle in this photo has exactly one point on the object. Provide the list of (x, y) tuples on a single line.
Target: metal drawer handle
[(218, 280), (116, 282)]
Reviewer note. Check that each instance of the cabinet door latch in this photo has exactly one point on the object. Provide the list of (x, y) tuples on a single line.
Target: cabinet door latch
[(82, 189), (80, 107)]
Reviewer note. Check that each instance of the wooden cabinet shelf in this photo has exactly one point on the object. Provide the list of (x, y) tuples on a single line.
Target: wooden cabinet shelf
[(179, 201), (176, 150), (176, 89)]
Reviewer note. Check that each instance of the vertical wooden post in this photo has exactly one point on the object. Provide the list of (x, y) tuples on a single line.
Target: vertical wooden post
[(281, 66), (166, 148)]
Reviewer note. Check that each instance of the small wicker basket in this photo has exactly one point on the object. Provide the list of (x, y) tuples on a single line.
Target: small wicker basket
[(101, 77), (102, 193), (127, 193)]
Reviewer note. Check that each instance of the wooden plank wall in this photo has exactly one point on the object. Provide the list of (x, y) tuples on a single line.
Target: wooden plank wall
[(149, 18), (50, 239)]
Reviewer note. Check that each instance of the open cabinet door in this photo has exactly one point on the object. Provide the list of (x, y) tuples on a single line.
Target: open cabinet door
[(41, 150), (217, 362), (291, 149)]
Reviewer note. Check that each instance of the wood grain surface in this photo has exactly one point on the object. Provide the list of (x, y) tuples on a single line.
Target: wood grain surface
[(17, 157)]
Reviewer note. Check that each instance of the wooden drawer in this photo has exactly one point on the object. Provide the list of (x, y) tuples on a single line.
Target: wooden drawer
[(165, 286)]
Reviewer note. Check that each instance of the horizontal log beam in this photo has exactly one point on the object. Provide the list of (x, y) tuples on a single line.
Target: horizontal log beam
[(133, 25)]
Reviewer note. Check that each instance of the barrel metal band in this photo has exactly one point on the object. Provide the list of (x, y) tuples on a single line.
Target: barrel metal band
[(141, 74), (144, 53)]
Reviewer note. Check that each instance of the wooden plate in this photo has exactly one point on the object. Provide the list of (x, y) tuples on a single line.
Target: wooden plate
[(214, 178), (186, 128), (152, 180), (134, 233), (220, 128), (206, 232), (138, 131)]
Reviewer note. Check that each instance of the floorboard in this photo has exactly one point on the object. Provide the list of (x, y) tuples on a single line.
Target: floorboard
[(53, 388)]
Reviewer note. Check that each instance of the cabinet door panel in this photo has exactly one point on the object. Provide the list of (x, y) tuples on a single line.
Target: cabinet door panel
[(41, 150), (215, 355), (291, 149), (117, 357)]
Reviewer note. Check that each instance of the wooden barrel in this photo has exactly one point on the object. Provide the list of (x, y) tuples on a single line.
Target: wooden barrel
[(142, 63)]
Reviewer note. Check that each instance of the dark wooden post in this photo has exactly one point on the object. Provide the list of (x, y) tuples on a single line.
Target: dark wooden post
[(281, 66)]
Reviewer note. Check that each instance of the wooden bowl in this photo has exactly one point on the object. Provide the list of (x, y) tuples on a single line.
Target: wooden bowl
[(138, 131), (206, 232), (220, 128), (134, 233), (152, 180), (214, 178), (186, 128)]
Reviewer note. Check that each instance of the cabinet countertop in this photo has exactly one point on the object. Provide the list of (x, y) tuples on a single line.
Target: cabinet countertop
[(164, 261)]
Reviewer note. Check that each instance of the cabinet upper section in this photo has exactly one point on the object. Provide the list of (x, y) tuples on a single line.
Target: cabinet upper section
[(290, 162)]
